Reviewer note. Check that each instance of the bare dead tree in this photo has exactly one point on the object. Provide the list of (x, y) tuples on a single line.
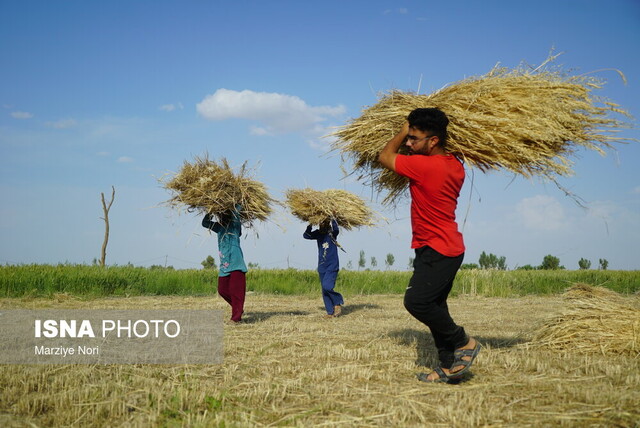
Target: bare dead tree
[(105, 209)]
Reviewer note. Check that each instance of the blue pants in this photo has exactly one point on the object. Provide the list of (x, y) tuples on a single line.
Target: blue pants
[(331, 298)]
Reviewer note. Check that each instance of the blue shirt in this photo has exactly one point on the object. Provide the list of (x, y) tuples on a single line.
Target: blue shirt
[(327, 247), (231, 257)]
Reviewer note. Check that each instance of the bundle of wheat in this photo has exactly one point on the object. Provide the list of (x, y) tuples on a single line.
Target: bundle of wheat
[(595, 320), (316, 207), (523, 121), (205, 186)]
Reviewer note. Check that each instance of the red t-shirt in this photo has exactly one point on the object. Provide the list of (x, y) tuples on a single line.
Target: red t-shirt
[(434, 183)]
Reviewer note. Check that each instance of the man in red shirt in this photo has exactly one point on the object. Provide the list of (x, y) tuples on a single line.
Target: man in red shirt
[(435, 179)]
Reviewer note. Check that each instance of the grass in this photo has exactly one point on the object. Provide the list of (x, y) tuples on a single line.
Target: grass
[(287, 366), (94, 281), (500, 283)]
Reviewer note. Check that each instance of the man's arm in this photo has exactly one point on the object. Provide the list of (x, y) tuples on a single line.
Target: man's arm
[(387, 156), (211, 225), (308, 234), (206, 221)]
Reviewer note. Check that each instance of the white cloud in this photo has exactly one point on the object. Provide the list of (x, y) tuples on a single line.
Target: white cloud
[(125, 159), (257, 130), (21, 115), (278, 113), (541, 212), (62, 124), (171, 107), (636, 190)]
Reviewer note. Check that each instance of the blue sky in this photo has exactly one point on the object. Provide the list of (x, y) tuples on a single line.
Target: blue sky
[(95, 94)]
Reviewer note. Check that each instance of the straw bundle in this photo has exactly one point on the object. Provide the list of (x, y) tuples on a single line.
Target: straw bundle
[(316, 207), (595, 321), (209, 187), (582, 291), (523, 121)]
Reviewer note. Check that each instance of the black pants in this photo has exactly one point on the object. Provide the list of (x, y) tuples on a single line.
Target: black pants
[(426, 300)]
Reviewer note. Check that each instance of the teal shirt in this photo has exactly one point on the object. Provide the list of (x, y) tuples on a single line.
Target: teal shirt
[(230, 253)]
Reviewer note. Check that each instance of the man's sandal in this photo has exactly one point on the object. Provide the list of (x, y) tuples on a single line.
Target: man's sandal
[(458, 356), (424, 377)]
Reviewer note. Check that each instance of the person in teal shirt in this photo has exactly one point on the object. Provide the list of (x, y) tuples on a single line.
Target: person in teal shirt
[(232, 284)]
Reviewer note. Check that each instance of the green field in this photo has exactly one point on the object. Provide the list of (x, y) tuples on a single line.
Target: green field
[(83, 280)]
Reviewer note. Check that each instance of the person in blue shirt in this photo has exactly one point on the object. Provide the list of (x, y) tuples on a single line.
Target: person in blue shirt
[(232, 283), (328, 264)]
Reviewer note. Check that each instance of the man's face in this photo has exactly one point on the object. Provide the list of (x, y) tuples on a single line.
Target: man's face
[(419, 142)]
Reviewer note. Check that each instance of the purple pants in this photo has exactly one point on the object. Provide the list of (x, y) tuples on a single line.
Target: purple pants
[(232, 288)]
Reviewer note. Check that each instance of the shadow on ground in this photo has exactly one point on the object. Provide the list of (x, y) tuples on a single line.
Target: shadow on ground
[(256, 317), (349, 309), (427, 355)]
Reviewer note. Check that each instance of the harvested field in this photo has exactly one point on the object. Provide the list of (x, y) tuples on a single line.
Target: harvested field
[(287, 366)]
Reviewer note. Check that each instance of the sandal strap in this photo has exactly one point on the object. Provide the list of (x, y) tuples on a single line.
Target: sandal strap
[(466, 364), (440, 373), (459, 353), (458, 363)]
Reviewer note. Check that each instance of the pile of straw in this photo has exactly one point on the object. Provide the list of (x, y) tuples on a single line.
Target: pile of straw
[(205, 186), (316, 207), (596, 320), (523, 121)]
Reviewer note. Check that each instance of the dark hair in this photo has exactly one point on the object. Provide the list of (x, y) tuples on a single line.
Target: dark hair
[(430, 120)]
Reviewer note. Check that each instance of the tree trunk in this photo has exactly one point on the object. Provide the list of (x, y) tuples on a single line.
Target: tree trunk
[(105, 210)]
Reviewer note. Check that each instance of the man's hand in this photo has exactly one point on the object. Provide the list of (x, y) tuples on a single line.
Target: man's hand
[(387, 156)]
